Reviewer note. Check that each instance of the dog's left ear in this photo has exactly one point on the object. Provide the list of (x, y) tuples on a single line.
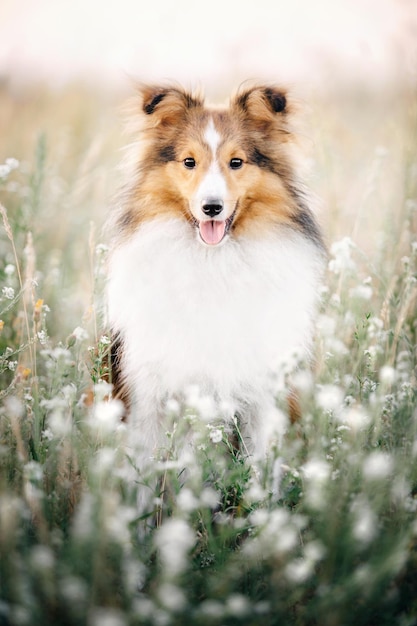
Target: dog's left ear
[(166, 104), (265, 103)]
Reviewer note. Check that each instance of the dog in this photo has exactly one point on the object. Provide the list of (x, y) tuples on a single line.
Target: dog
[(216, 262)]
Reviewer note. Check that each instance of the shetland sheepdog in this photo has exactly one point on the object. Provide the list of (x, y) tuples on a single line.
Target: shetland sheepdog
[(216, 262)]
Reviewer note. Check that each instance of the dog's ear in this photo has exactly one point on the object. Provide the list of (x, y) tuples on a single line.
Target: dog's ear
[(166, 104), (263, 103)]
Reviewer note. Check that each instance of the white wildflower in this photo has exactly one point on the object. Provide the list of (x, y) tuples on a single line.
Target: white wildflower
[(42, 558), (4, 172), (104, 340), (375, 327), (237, 605), (33, 471), (171, 597), (361, 292), (59, 422), (9, 270), (14, 406), (342, 428), (374, 351), (104, 460), (335, 301), (58, 354), (69, 393), (335, 346), (378, 465), (8, 292), (405, 260), (42, 337), (286, 540), (212, 609), (56, 402), (277, 533), (354, 417), (74, 589), (303, 380), (106, 617), (117, 519), (342, 259), (326, 325), (174, 540), (101, 249), (80, 333), (102, 390), (316, 470), (365, 524), (209, 498), (317, 473), (387, 375), (329, 397), (314, 551), (187, 501), (12, 163), (134, 574), (106, 415), (278, 471), (47, 434), (216, 435), (260, 517), (256, 493), (299, 571), (262, 608)]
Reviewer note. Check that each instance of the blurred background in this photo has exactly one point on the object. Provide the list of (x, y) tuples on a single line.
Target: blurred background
[(66, 68), (215, 43)]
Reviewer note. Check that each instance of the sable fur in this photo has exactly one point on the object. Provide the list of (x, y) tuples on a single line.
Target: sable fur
[(223, 316)]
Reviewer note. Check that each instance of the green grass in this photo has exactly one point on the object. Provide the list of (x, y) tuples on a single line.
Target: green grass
[(325, 534)]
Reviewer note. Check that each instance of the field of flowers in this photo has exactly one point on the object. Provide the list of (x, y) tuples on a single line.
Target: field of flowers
[(326, 533)]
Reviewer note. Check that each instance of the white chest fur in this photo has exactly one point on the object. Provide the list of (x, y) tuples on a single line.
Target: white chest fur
[(221, 318)]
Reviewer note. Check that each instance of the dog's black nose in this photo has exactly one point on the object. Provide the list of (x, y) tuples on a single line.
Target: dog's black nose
[(213, 207)]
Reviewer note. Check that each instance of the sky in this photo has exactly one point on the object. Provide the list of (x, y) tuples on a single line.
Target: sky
[(210, 43)]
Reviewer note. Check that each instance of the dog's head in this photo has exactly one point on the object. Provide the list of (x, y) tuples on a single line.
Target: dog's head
[(228, 170)]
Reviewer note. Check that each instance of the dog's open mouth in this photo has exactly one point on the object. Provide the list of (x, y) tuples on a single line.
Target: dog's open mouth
[(212, 232)]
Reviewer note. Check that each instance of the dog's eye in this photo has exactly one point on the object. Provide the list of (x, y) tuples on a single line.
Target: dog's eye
[(235, 164), (189, 163)]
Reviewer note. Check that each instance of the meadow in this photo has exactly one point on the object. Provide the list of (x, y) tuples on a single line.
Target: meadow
[(325, 534)]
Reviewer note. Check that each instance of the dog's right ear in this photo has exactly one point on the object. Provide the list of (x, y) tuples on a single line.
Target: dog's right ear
[(166, 105), (262, 103)]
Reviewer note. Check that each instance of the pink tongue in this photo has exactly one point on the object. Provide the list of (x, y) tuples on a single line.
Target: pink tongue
[(212, 232)]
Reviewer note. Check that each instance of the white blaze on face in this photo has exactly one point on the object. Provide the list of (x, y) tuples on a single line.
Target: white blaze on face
[(213, 186), (210, 204), (212, 137)]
